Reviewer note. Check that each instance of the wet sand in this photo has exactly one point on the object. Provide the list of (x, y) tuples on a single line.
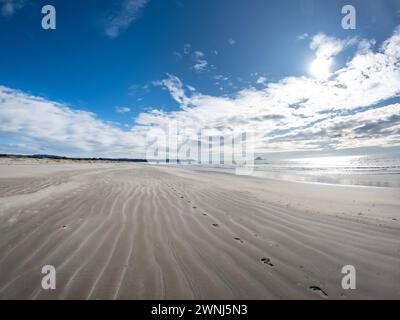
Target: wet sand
[(131, 231)]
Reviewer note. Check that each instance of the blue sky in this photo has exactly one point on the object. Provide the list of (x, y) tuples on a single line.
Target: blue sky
[(115, 64)]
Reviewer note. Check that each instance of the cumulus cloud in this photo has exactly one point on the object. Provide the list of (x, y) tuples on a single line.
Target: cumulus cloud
[(299, 113), (326, 48), (354, 107), (51, 127), (124, 17), (375, 127)]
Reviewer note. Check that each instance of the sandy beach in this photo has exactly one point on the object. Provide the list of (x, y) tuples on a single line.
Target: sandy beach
[(133, 231)]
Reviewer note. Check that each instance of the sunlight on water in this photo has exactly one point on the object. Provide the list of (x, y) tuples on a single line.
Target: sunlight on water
[(368, 170)]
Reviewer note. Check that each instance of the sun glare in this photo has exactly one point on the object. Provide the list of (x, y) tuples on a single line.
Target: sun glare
[(320, 68)]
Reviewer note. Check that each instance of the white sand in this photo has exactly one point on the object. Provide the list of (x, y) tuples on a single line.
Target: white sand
[(138, 232)]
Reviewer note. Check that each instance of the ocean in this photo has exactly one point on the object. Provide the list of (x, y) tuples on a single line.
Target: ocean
[(381, 170)]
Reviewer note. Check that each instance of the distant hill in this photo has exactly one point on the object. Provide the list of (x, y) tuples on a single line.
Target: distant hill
[(43, 156), (49, 156)]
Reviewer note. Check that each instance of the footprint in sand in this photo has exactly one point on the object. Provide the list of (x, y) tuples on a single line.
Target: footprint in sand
[(267, 261), (238, 239), (319, 290), (215, 225), (194, 207)]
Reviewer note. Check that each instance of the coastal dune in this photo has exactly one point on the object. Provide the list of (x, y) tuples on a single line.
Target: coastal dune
[(132, 231)]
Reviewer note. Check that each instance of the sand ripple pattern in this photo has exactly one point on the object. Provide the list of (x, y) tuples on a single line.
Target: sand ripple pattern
[(137, 232)]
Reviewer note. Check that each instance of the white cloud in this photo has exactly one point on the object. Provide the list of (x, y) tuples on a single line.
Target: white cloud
[(303, 36), (376, 127), (200, 62), (286, 115), (200, 65), (175, 87), (231, 42), (325, 49), (122, 19), (364, 46), (349, 109), (325, 46), (197, 57), (262, 80), (122, 109), (47, 126), (9, 7)]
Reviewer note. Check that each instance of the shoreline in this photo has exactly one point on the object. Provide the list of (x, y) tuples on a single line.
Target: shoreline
[(295, 176), (259, 175)]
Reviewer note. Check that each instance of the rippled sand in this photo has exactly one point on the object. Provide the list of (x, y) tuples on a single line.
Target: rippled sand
[(120, 231)]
